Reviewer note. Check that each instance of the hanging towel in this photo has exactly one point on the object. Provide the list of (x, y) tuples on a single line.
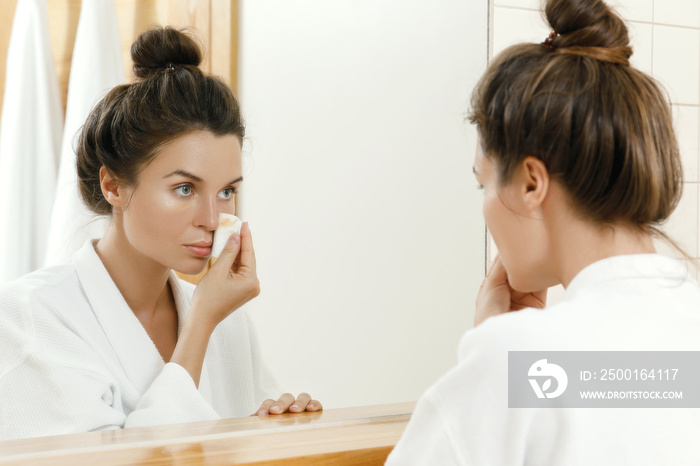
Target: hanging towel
[(96, 67), (30, 140)]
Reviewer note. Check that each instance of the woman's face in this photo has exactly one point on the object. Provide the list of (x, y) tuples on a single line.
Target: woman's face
[(519, 234), (173, 210)]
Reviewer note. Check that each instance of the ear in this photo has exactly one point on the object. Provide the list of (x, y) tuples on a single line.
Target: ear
[(113, 192), (535, 182)]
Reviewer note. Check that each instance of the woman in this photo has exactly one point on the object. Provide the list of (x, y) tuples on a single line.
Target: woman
[(579, 166), (114, 339)]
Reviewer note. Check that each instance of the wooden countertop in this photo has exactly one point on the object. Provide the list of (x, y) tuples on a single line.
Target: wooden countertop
[(363, 435)]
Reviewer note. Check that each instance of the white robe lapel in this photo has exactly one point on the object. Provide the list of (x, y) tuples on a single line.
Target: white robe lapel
[(183, 303), (136, 351)]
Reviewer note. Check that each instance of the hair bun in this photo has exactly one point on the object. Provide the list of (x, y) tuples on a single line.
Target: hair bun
[(592, 24), (159, 48)]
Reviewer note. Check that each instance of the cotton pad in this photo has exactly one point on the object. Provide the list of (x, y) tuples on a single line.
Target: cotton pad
[(228, 224)]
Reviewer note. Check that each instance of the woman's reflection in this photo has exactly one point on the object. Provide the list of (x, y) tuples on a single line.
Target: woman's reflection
[(114, 339)]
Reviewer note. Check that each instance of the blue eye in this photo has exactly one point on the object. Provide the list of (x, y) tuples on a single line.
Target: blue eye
[(185, 190), (227, 193)]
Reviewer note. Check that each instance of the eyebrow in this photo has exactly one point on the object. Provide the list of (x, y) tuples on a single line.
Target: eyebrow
[(195, 177)]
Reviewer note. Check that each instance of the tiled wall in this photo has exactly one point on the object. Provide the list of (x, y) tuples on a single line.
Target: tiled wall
[(665, 36)]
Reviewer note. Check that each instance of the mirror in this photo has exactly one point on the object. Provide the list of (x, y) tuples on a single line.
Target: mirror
[(359, 192)]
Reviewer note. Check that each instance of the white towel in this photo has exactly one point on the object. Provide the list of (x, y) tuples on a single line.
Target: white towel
[(96, 67), (30, 140)]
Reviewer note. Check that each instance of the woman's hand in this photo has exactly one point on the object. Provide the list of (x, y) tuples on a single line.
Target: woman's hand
[(231, 281), (497, 297), (287, 403)]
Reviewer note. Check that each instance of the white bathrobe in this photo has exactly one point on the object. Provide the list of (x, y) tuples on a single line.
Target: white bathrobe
[(74, 358), (644, 302)]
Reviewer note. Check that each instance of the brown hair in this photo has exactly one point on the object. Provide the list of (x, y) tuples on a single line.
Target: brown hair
[(602, 128), (170, 97)]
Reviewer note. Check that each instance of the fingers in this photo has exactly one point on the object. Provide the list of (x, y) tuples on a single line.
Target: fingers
[(542, 297), (247, 253), (283, 404), (264, 408), (497, 274), (229, 254), (301, 403), (493, 264), (535, 300), (305, 403), (314, 405), (287, 403), (494, 296), (236, 264)]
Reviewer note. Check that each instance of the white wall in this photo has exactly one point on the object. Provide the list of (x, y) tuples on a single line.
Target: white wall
[(665, 35), (359, 189)]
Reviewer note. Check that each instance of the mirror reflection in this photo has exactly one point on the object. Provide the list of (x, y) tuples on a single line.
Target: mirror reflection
[(352, 173)]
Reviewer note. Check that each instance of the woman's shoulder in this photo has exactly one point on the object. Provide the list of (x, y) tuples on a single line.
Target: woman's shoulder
[(57, 276), (483, 351), (629, 316), (21, 297), (517, 326), (564, 326), (29, 303)]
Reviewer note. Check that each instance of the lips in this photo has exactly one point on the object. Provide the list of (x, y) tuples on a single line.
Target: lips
[(202, 248)]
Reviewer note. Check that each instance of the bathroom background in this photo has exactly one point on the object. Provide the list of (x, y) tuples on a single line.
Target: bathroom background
[(359, 189)]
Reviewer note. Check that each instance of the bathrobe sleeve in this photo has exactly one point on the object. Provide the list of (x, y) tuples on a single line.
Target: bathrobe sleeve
[(52, 381)]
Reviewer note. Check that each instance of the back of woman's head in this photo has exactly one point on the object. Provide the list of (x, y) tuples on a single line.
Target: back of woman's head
[(602, 128), (170, 97)]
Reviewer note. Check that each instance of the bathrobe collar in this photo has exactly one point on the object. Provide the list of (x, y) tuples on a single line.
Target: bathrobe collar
[(643, 266), (135, 350)]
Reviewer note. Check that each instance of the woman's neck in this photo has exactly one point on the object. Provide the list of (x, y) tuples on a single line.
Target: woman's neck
[(142, 282), (578, 244)]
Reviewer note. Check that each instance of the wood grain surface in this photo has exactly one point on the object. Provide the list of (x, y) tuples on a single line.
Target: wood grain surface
[(363, 435)]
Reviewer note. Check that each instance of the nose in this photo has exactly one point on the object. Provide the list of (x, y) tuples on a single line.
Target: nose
[(207, 215)]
